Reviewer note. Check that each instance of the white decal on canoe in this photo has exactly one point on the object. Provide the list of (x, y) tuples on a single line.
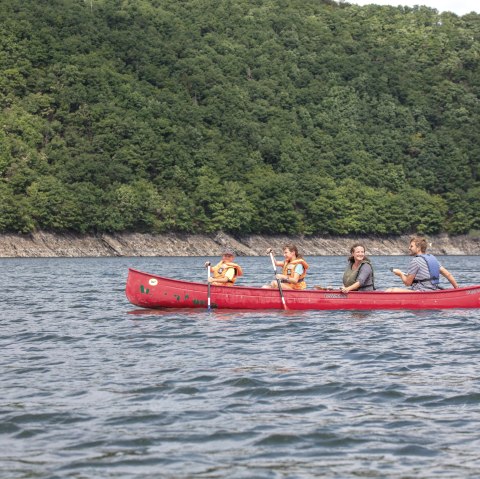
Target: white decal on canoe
[(152, 282)]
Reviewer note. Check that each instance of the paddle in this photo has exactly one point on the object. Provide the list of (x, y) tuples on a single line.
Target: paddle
[(278, 281), (207, 264)]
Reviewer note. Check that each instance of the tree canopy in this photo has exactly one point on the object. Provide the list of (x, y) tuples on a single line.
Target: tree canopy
[(248, 116)]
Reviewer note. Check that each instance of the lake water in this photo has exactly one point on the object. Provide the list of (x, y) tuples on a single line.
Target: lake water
[(93, 387)]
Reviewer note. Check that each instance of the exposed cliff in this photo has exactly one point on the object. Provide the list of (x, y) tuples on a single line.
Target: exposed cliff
[(41, 244)]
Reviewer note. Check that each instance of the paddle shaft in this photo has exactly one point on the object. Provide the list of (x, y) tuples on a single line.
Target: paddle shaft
[(208, 288), (279, 283)]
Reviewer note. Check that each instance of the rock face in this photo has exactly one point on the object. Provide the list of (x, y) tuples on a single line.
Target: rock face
[(42, 244)]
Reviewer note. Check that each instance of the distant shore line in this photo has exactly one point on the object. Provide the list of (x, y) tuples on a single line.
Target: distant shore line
[(43, 244)]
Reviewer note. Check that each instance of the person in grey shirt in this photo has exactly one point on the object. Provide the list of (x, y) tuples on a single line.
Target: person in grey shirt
[(423, 271), (359, 273)]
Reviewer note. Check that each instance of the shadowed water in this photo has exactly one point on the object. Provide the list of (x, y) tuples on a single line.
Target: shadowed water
[(93, 387)]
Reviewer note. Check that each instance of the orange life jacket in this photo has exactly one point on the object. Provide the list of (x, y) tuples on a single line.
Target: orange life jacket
[(220, 270), (289, 270)]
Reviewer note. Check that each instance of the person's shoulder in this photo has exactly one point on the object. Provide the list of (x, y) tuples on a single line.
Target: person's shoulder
[(416, 262), (365, 269)]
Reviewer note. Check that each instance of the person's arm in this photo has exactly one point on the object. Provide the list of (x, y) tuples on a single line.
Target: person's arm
[(352, 287), (284, 277), (407, 279), (217, 280), (230, 274), (444, 272), (226, 279), (295, 278), (299, 269), (296, 275)]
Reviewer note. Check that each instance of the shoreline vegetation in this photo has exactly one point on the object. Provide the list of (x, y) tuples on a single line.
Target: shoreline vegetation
[(70, 245), (294, 117)]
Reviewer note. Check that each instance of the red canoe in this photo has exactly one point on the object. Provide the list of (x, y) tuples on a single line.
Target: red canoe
[(152, 291)]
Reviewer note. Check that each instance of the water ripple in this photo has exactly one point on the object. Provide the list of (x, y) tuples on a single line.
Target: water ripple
[(94, 388)]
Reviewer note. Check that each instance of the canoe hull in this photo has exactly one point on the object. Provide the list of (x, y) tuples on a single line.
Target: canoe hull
[(153, 291)]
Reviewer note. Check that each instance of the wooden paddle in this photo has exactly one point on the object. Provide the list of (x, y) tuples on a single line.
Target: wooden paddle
[(279, 283), (207, 264)]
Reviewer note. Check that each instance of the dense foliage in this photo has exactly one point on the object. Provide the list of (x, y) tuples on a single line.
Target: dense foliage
[(248, 116)]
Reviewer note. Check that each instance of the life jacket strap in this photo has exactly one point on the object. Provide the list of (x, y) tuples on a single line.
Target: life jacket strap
[(425, 280)]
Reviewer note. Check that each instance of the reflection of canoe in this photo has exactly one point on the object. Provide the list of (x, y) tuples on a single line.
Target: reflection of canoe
[(152, 291)]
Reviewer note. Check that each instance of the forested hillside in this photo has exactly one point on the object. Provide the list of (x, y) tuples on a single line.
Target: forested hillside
[(247, 116)]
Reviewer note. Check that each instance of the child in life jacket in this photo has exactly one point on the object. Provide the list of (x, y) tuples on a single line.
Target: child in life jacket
[(226, 272), (294, 270)]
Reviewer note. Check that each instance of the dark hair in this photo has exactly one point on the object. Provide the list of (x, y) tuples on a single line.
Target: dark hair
[(293, 248), (351, 259), (420, 242)]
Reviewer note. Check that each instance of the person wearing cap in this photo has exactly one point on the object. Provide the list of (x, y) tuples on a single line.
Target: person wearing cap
[(226, 272)]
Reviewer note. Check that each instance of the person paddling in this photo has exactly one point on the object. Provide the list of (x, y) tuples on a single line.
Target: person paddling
[(294, 270), (359, 273), (226, 272), (424, 269)]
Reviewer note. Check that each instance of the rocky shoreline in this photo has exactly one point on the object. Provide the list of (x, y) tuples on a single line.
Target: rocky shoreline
[(43, 244)]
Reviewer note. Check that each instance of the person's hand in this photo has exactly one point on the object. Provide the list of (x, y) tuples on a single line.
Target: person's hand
[(344, 290), (210, 279), (269, 250), (397, 271), (207, 264)]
